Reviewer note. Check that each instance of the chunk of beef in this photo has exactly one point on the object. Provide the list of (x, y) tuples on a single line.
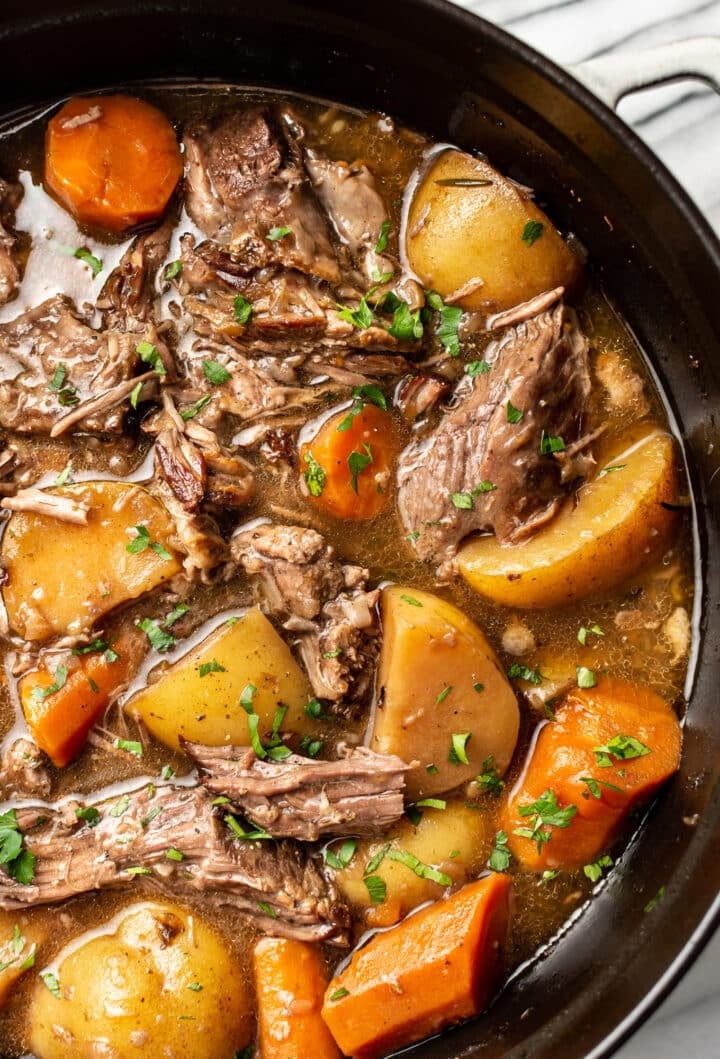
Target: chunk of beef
[(301, 582), (130, 841), (244, 178), (355, 207), (303, 798), (52, 361), (24, 772), (417, 395), (127, 297), (10, 195), (540, 369)]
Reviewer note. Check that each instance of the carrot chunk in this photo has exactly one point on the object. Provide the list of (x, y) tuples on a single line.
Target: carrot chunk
[(347, 467), (61, 707), (289, 981), (609, 748), (438, 966), (112, 161)]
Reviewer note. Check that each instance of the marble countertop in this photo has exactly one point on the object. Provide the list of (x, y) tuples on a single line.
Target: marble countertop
[(681, 123)]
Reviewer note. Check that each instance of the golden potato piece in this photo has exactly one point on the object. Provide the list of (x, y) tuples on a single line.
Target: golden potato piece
[(198, 697), (617, 527), (451, 840), (439, 677), (162, 983), (62, 577), (464, 237)]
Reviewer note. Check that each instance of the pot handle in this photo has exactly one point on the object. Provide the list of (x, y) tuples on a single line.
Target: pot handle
[(613, 76)]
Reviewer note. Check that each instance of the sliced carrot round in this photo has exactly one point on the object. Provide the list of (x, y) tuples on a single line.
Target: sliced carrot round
[(112, 161)]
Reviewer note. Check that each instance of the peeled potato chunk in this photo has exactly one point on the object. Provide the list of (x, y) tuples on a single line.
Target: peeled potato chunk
[(618, 526), (439, 678), (198, 697), (162, 983), (487, 245), (450, 840), (63, 577)]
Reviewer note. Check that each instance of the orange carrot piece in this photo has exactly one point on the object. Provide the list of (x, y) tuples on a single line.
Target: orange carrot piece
[(563, 760), (355, 463), (440, 965), (112, 161), (60, 721), (290, 979)]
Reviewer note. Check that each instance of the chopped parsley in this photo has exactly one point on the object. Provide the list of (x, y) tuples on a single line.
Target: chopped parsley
[(147, 820), (215, 372), (462, 501), (93, 263), (376, 888), (315, 476), (267, 909), (362, 317), (248, 834), (532, 232), (374, 863), (242, 309), (176, 614), (478, 688), (363, 395), (40, 694), (432, 770), (132, 746), (19, 863), (196, 408), (595, 871), (159, 638), (167, 772), (174, 854), (56, 383), (548, 444), (120, 807), (450, 316), (149, 354), (585, 677), (212, 666), (488, 780), (444, 693), (622, 748), (584, 632), (142, 541), (609, 470), (313, 709), (173, 269), (65, 477), (89, 814), (458, 748), (381, 244), (514, 415), (545, 813), (423, 871), (655, 900), (477, 367), (341, 857), (549, 875), (411, 601), (52, 983), (196, 986), (276, 234), (500, 856), (339, 994), (137, 869), (135, 395), (310, 746), (594, 787), (357, 462), (406, 325), (520, 672), (432, 803)]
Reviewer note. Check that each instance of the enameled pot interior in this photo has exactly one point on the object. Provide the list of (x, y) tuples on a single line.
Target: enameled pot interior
[(456, 78)]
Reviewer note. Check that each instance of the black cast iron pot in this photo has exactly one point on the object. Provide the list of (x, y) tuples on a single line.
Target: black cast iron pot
[(458, 78)]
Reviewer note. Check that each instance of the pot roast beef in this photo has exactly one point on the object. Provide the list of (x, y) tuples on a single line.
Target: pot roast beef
[(489, 465), (121, 840), (303, 798)]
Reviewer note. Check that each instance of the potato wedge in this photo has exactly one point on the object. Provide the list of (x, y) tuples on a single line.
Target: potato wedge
[(452, 840), (463, 236), (161, 983), (617, 527), (206, 708), (62, 577), (439, 677)]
